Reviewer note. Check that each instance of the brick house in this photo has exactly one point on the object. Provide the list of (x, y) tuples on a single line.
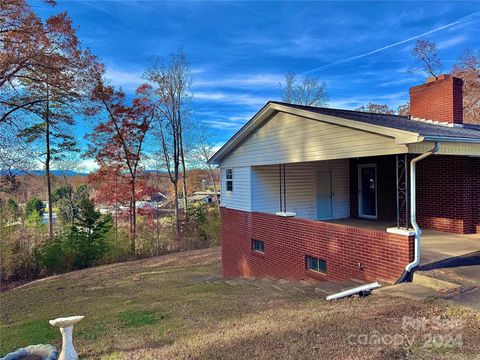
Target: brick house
[(337, 194)]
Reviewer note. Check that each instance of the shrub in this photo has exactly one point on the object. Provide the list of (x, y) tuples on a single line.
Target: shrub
[(35, 204)]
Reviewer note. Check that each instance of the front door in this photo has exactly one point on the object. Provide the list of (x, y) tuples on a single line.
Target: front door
[(367, 191), (324, 194)]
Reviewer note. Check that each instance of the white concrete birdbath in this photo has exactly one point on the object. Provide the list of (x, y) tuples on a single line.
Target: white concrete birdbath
[(66, 328)]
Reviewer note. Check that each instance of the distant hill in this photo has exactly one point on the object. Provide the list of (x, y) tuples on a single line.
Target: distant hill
[(42, 172)]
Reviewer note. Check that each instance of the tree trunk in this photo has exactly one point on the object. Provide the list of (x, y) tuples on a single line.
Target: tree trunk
[(184, 168), (184, 189), (70, 200), (133, 217), (47, 170), (177, 220), (116, 210)]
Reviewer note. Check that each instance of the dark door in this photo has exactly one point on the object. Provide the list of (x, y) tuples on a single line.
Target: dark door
[(367, 191)]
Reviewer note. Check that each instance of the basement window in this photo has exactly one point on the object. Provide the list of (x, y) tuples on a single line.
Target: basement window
[(258, 246), (229, 178), (316, 264)]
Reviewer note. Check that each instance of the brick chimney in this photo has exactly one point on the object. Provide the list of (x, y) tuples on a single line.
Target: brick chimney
[(440, 99)]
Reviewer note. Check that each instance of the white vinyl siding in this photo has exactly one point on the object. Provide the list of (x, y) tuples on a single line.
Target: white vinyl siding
[(240, 197), (287, 138), (300, 188)]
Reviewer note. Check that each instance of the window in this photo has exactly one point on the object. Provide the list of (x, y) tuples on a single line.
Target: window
[(229, 177), (316, 264), (258, 246)]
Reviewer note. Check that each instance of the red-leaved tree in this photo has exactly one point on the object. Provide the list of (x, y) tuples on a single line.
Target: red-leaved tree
[(118, 140)]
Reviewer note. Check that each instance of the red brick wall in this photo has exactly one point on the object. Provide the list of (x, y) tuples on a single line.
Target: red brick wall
[(287, 241), (448, 194), (440, 100)]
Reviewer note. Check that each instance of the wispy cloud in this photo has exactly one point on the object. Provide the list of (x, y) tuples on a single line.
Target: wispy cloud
[(383, 48), (223, 125), (88, 165), (241, 81), (392, 100), (127, 80), (444, 44), (231, 98)]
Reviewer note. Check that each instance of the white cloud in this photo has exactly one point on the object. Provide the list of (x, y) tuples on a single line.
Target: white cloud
[(240, 81), (223, 125), (127, 80), (231, 98), (392, 100), (450, 42), (87, 165)]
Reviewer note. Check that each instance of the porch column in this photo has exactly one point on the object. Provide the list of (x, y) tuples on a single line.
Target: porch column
[(402, 192), (283, 192)]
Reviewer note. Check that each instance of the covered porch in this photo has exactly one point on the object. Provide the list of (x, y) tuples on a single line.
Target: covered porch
[(435, 245), (372, 190)]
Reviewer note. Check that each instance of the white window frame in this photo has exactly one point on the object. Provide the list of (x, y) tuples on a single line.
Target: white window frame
[(227, 180)]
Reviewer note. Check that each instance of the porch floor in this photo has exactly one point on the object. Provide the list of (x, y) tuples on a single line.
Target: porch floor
[(435, 245)]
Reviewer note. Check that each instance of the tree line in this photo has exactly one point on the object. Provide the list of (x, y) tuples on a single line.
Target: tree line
[(49, 83)]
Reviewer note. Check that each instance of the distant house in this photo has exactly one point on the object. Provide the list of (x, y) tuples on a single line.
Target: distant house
[(205, 196), (336, 194), (158, 197), (45, 218)]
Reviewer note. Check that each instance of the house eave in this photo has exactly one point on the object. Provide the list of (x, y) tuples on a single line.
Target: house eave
[(401, 137)]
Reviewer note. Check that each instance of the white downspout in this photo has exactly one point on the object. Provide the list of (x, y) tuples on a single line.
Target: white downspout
[(413, 207)]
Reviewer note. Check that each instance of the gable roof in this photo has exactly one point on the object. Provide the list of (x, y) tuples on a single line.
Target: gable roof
[(402, 128), (423, 128)]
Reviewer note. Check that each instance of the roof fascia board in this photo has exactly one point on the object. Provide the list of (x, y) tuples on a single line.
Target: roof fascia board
[(452, 139), (448, 148)]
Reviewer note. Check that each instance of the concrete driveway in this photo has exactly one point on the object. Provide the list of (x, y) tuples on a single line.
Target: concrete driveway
[(436, 246)]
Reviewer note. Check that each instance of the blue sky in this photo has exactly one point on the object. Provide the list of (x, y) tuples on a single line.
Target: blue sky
[(239, 51)]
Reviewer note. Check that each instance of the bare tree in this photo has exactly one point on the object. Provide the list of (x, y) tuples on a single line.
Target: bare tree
[(204, 148), (310, 91), (404, 110), (376, 109), (426, 58), (171, 99), (468, 69), (16, 158)]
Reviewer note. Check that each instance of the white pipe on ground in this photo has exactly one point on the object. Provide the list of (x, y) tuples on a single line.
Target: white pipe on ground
[(358, 289), (413, 207)]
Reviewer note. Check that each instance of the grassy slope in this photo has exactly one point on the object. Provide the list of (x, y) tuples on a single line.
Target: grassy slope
[(156, 308)]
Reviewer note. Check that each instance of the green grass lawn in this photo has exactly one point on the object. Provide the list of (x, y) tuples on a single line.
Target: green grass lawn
[(157, 309)]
